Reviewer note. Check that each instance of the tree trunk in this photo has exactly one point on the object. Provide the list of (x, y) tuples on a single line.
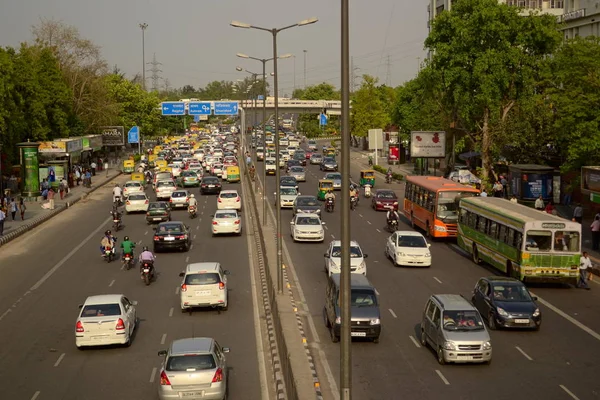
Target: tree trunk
[(486, 145)]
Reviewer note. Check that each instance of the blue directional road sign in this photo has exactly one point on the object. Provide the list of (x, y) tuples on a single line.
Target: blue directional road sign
[(226, 108), (133, 136), (322, 119), (195, 108), (173, 108), (260, 97)]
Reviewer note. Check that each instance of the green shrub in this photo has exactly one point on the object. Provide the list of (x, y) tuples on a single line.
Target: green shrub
[(137, 157)]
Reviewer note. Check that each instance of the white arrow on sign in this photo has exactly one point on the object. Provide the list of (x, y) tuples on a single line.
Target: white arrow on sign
[(205, 107)]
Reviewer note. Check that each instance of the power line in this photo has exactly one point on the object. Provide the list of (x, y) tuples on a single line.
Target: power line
[(155, 72), (388, 72)]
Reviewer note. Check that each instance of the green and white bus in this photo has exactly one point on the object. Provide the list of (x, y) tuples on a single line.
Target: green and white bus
[(524, 243)]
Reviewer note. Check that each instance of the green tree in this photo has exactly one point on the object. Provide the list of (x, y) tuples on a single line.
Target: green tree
[(486, 57), (322, 91), (368, 108)]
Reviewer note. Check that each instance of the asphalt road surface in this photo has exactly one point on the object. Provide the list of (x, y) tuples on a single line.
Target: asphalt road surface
[(558, 362), (47, 273)]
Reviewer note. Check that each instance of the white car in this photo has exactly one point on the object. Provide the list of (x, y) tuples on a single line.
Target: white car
[(307, 228), (197, 168), (229, 200), (175, 169), (204, 285), (164, 189), (408, 248), (199, 155), (104, 320), (226, 221), (298, 172), (217, 169), (292, 150), (218, 153), (287, 195), (136, 202), (131, 187), (285, 155), (333, 258)]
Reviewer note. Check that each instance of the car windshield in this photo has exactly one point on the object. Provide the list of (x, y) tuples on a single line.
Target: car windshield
[(297, 169), (190, 363), (538, 240), (189, 173), (217, 166), (411, 241), (228, 214), (288, 181), (229, 195), (447, 204), (355, 252), (511, 292), (307, 201), (566, 241), (163, 184), (211, 180), (288, 191), (157, 206), (462, 321), (179, 194), (386, 195), (270, 162), (133, 184), (329, 160), (163, 175), (170, 228), (308, 221), (207, 278), (137, 197), (362, 298), (335, 177), (100, 310)]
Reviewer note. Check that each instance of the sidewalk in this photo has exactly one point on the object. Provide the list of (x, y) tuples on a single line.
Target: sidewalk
[(586, 235), (35, 214)]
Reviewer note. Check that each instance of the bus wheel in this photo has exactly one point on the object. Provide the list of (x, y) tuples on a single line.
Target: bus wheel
[(476, 258), (509, 268)]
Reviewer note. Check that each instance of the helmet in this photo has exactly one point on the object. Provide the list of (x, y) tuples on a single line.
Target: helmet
[(116, 185), (145, 248), (192, 195), (107, 233), (126, 238)]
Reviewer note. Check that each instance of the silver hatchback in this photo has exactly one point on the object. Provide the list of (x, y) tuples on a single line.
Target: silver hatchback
[(193, 368), (180, 199)]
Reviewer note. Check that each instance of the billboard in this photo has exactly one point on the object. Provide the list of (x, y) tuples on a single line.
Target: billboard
[(590, 179), (74, 145), (113, 135), (56, 146), (375, 139), (428, 144)]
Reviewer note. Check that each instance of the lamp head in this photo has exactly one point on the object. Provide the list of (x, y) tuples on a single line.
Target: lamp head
[(242, 55), (238, 24), (286, 55), (308, 21)]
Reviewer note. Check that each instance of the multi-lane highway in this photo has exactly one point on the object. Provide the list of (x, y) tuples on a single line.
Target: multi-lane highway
[(557, 362), (47, 273)]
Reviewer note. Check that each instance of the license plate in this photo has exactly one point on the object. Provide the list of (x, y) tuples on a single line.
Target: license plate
[(98, 337), (146, 270), (115, 220), (202, 292), (191, 394), (359, 334), (211, 186), (467, 358), (156, 219), (169, 239), (522, 321)]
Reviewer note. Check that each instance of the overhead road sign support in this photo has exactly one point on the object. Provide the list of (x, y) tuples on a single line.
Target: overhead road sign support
[(199, 108), (173, 108), (226, 108)]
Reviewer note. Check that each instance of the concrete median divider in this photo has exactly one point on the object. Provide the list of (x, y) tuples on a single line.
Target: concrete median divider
[(43, 218)]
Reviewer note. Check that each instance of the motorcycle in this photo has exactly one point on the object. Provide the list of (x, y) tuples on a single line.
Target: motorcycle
[(393, 225), (353, 201), (116, 223), (329, 205), (127, 261), (147, 272), (109, 253), (367, 191), (388, 178), (117, 201), (192, 210)]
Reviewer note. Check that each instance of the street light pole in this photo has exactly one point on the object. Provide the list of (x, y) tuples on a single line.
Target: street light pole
[(305, 51), (345, 337), (144, 26), (274, 33), (294, 74), (264, 126)]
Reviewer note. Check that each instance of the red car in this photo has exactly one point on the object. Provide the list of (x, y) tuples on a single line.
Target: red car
[(308, 153), (384, 199)]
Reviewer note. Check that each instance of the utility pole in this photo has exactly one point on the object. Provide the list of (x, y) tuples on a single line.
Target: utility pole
[(351, 74), (305, 51), (388, 72), (144, 26), (155, 70), (167, 86)]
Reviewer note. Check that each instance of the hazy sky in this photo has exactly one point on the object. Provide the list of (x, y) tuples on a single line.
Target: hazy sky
[(196, 45)]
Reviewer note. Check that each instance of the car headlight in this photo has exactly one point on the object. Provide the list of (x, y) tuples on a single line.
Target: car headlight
[(338, 320), (439, 228), (502, 312), (427, 254), (362, 265), (374, 321), (486, 345), (536, 313), (319, 211), (401, 254), (449, 345)]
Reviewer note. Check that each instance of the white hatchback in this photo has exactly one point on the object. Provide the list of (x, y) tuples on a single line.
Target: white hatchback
[(229, 200), (333, 258), (164, 189), (226, 221), (204, 285), (104, 320), (408, 248), (136, 202), (132, 187), (307, 228)]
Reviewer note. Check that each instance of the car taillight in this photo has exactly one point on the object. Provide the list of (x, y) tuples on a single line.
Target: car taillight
[(218, 376), (184, 287), (237, 221), (170, 200), (215, 223), (219, 200), (120, 325), (181, 237), (237, 200), (79, 327), (164, 380), (156, 237), (147, 213), (221, 285), (204, 185)]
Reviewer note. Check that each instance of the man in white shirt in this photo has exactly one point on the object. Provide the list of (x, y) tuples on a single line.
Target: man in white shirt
[(117, 192), (585, 266), (94, 166), (539, 204)]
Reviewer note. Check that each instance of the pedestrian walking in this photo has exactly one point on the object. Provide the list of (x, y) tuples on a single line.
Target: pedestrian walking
[(51, 198), (61, 189), (585, 265), (13, 208), (578, 213), (539, 204), (2, 218), (22, 208), (94, 166), (596, 233)]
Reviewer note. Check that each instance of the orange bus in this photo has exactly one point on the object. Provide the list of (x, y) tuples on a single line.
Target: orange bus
[(431, 203)]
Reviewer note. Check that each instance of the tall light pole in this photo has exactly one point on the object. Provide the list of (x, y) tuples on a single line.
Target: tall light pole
[(305, 51), (345, 338), (144, 26), (264, 62), (294, 74), (274, 32)]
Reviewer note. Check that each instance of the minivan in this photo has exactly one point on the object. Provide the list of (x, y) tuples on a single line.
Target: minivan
[(365, 316), (204, 285), (455, 331)]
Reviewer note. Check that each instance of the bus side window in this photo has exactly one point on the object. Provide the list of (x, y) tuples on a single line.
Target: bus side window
[(464, 216), (481, 224), (518, 239), (502, 233), (510, 238), (430, 201), (408, 192), (472, 220), (492, 229)]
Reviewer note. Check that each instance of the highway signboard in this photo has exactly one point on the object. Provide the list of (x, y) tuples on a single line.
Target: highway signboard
[(133, 136), (173, 108), (199, 108), (226, 108)]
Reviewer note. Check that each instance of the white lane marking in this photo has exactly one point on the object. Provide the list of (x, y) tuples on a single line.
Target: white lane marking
[(194, 237), (360, 215), (35, 395), (187, 259), (191, 246), (325, 226), (442, 377), (392, 312), (122, 267), (369, 222), (163, 338), (566, 316), (145, 233), (563, 387), (437, 279), (378, 230), (139, 242), (333, 237), (524, 354), (198, 227), (415, 342), (152, 374), (177, 290), (171, 312), (60, 358), (111, 283)]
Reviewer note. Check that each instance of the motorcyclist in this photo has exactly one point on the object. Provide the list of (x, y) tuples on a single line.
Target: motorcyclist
[(107, 241), (330, 197), (192, 202), (117, 192), (388, 175), (146, 256), (392, 215), (353, 192), (252, 171), (127, 246)]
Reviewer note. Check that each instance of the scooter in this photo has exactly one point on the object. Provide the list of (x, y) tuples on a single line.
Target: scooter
[(367, 191), (147, 272), (353, 201), (329, 205), (192, 211), (127, 261)]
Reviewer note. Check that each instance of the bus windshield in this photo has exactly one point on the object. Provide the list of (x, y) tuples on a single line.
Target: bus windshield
[(447, 205), (541, 240)]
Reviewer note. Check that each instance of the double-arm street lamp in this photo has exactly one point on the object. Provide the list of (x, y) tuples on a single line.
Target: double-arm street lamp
[(274, 32)]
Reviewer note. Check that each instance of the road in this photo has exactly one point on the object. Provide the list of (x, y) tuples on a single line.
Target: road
[(47, 273), (556, 362)]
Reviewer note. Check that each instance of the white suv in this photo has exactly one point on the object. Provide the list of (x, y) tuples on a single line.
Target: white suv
[(204, 285), (333, 258)]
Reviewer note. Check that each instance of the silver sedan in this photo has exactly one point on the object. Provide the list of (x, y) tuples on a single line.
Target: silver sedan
[(299, 173)]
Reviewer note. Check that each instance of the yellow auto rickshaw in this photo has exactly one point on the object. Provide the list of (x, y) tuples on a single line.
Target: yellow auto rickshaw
[(367, 176), (128, 166), (166, 169), (139, 177), (325, 186), (233, 173), (151, 159), (160, 164), (330, 152)]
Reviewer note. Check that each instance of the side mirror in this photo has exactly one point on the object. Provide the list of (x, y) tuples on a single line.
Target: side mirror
[(81, 305), (534, 298), (326, 255), (226, 349), (227, 272), (292, 223), (322, 222), (182, 274), (162, 353), (365, 256), (428, 244)]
